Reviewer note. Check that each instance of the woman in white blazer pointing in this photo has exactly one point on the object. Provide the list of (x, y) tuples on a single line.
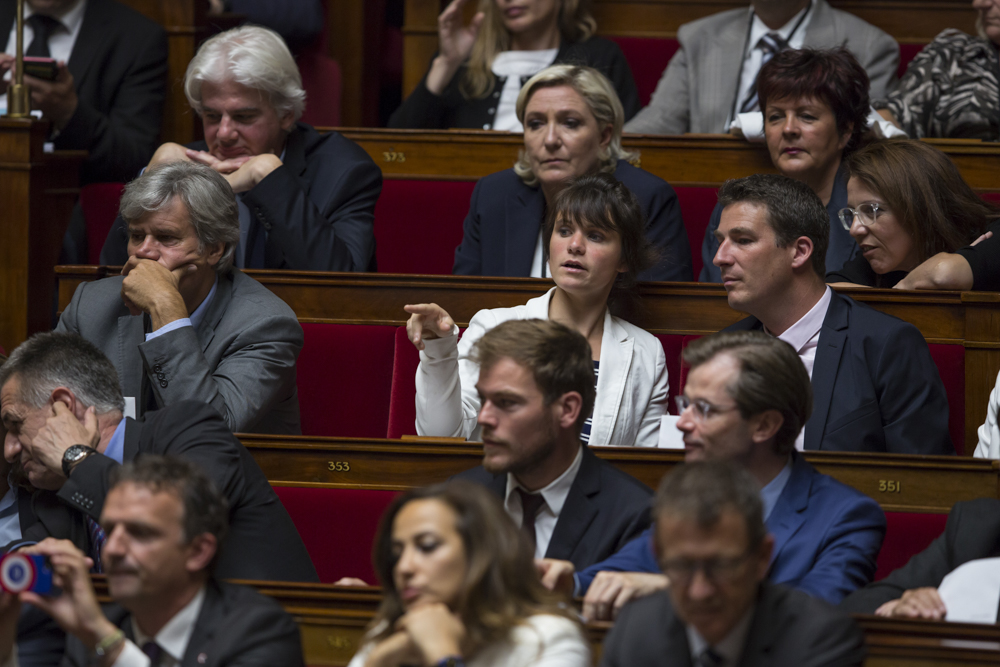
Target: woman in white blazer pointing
[(595, 246)]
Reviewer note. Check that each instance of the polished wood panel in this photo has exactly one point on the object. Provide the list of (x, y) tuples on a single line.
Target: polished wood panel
[(688, 160), (37, 192), (899, 483), (970, 319), (909, 21)]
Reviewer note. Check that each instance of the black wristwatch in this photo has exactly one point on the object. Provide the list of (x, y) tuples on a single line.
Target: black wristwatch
[(74, 455)]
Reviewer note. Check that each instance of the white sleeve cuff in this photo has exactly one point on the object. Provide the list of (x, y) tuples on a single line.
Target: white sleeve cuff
[(167, 328)]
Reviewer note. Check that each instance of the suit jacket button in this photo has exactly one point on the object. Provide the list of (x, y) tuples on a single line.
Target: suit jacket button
[(157, 368), (163, 383)]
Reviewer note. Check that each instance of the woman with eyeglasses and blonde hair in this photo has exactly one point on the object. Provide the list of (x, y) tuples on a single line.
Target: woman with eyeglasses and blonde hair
[(572, 128), (459, 589), (475, 76), (917, 223)]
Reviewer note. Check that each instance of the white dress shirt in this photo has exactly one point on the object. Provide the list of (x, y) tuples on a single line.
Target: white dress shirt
[(755, 54), (173, 638), (804, 337), (61, 41), (730, 649), (514, 65), (555, 497)]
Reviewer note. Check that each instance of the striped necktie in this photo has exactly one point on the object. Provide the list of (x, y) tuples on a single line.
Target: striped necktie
[(771, 44), (709, 658), (153, 651), (97, 539)]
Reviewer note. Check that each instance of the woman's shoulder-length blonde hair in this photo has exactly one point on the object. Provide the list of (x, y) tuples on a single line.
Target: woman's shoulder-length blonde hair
[(500, 590), (576, 24), (601, 99)]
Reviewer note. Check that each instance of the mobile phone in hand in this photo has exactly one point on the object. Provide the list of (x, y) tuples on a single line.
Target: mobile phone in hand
[(41, 68)]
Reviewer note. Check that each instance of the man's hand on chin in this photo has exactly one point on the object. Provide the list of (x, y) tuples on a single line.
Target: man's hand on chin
[(150, 287), (61, 431), (253, 171), (221, 165)]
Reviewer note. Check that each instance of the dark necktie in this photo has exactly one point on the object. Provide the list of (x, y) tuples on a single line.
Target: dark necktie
[(709, 658), (97, 539), (42, 26), (153, 650), (530, 504), (771, 44)]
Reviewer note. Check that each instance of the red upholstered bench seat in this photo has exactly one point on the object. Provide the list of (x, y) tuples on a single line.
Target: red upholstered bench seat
[(950, 362), (338, 527), (647, 57), (418, 225), (697, 204), (344, 379), (907, 534), (99, 203)]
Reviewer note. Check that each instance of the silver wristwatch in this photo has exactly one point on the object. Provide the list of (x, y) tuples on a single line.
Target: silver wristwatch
[(74, 455)]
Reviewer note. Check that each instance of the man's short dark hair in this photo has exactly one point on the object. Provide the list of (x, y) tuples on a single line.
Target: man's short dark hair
[(559, 358), (772, 377), (49, 360), (205, 509), (703, 490), (793, 210)]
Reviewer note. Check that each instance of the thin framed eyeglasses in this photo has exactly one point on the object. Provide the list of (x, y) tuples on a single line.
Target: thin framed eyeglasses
[(702, 408), (866, 213), (680, 571)]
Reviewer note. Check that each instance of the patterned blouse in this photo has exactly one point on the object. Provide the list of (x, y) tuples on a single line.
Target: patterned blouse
[(950, 90)]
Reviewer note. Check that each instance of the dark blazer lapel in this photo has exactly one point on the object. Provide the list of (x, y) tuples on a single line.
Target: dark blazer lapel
[(211, 614), (763, 634), (788, 513), (295, 151), (676, 639), (579, 509), (522, 222), (130, 335), (133, 432), (89, 41), (6, 22), (832, 341), (216, 309)]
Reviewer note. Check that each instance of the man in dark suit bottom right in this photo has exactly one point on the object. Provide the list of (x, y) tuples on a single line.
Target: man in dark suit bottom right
[(972, 533), (164, 521), (720, 611)]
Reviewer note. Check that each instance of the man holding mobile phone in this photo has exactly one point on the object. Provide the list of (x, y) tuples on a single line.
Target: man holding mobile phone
[(108, 67)]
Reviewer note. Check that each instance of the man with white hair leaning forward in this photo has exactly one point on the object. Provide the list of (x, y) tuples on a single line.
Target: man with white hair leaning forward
[(307, 201)]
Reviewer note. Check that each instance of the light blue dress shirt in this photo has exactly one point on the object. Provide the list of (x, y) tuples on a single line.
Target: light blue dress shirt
[(193, 321)]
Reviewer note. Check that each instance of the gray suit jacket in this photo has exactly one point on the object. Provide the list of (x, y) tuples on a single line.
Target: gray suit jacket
[(788, 628), (698, 88), (240, 360)]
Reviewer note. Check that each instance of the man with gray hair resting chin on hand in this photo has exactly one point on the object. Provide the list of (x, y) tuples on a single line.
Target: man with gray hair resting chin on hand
[(181, 323)]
